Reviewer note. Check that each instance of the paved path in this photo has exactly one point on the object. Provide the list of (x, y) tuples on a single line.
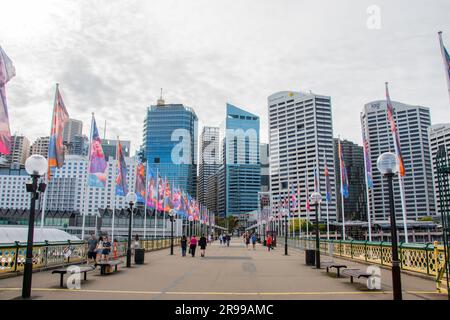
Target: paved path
[(225, 273)]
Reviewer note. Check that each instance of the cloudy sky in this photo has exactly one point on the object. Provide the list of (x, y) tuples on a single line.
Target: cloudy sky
[(112, 58)]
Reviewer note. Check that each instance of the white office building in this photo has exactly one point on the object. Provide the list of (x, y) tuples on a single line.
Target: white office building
[(412, 125), (67, 187), (438, 134), (300, 137)]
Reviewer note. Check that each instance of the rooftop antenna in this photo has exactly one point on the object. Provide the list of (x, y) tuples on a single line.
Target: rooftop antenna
[(160, 101)]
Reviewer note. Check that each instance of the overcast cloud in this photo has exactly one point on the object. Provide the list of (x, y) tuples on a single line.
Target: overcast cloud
[(112, 58)]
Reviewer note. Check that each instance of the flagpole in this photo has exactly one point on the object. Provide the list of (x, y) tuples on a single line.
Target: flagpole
[(307, 205), (342, 190), (326, 193), (157, 200), (446, 63), (44, 200), (145, 202), (114, 188), (86, 191), (369, 222), (164, 214), (299, 210)]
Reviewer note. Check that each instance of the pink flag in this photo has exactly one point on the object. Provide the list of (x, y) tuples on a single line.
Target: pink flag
[(7, 71)]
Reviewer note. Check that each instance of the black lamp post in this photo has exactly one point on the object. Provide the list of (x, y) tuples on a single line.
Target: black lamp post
[(172, 218), (36, 166), (131, 198), (387, 164), (285, 231), (316, 199)]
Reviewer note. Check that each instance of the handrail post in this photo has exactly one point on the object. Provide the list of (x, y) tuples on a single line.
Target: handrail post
[(427, 258), (366, 253), (401, 255), (381, 252), (351, 248), (68, 257), (16, 255), (46, 254)]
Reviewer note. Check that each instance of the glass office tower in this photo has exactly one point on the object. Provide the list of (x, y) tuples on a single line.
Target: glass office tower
[(170, 144), (239, 178)]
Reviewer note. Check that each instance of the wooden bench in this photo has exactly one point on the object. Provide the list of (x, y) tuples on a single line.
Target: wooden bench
[(104, 264), (332, 264), (72, 270), (358, 273)]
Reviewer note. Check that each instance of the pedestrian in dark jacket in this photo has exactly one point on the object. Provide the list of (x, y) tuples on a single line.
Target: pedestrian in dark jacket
[(202, 243), (183, 246), (228, 240)]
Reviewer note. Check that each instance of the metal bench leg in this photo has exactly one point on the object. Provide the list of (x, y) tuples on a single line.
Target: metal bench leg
[(115, 268), (327, 269), (61, 281), (85, 276), (338, 272), (351, 279)]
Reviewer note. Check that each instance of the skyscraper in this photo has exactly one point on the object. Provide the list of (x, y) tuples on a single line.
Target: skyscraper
[(300, 138), (355, 205), (438, 134), (170, 143), (79, 145), (265, 167), (239, 179), (413, 123), (72, 127), (40, 146), (209, 161)]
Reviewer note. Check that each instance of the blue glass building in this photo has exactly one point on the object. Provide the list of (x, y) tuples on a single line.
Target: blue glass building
[(240, 172), (170, 144)]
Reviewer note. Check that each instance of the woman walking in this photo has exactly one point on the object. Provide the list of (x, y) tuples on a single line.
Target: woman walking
[(193, 245), (269, 242), (202, 244), (183, 246)]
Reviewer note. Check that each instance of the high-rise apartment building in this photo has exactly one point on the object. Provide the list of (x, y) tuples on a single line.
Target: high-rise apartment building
[(209, 161), (412, 124), (438, 135), (72, 128), (40, 146), (170, 144), (239, 177), (300, 138), (20, 150), (79, 146), (355, 206)]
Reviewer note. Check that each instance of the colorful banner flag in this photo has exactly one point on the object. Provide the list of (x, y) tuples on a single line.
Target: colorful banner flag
[(121, 179), (367, 161), (97, 162), (327, 181), (168, 205), (446, 58), (7, 71), (160, 202), (140, 183), (343, 169), (316, 180), (152, 191), (55, 146), (394, 131)]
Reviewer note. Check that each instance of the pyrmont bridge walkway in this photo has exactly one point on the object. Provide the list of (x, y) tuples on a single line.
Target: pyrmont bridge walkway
[(233, 272)]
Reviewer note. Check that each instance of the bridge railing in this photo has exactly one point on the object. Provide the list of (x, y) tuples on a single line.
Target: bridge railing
[(422, 258), (51, 254)]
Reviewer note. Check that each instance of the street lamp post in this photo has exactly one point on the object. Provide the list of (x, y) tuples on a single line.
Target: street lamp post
[(285, 212), (387, 164), (172, 218), (316, 199), (131, 199), (36, 166), (190, 225)]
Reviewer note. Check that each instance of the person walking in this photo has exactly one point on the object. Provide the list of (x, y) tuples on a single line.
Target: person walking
[(106, 249), (269, 242), (247, 240), (92, 248), (99, 249), (228, 238), (202, 244), (183, 246), (221, 239), (210, 238), (193, 245), (253, 237)]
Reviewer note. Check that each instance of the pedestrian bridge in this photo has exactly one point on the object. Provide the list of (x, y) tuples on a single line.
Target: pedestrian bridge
[(234, 272)]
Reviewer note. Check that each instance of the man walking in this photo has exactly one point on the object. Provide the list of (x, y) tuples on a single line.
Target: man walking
[(92, 246)]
